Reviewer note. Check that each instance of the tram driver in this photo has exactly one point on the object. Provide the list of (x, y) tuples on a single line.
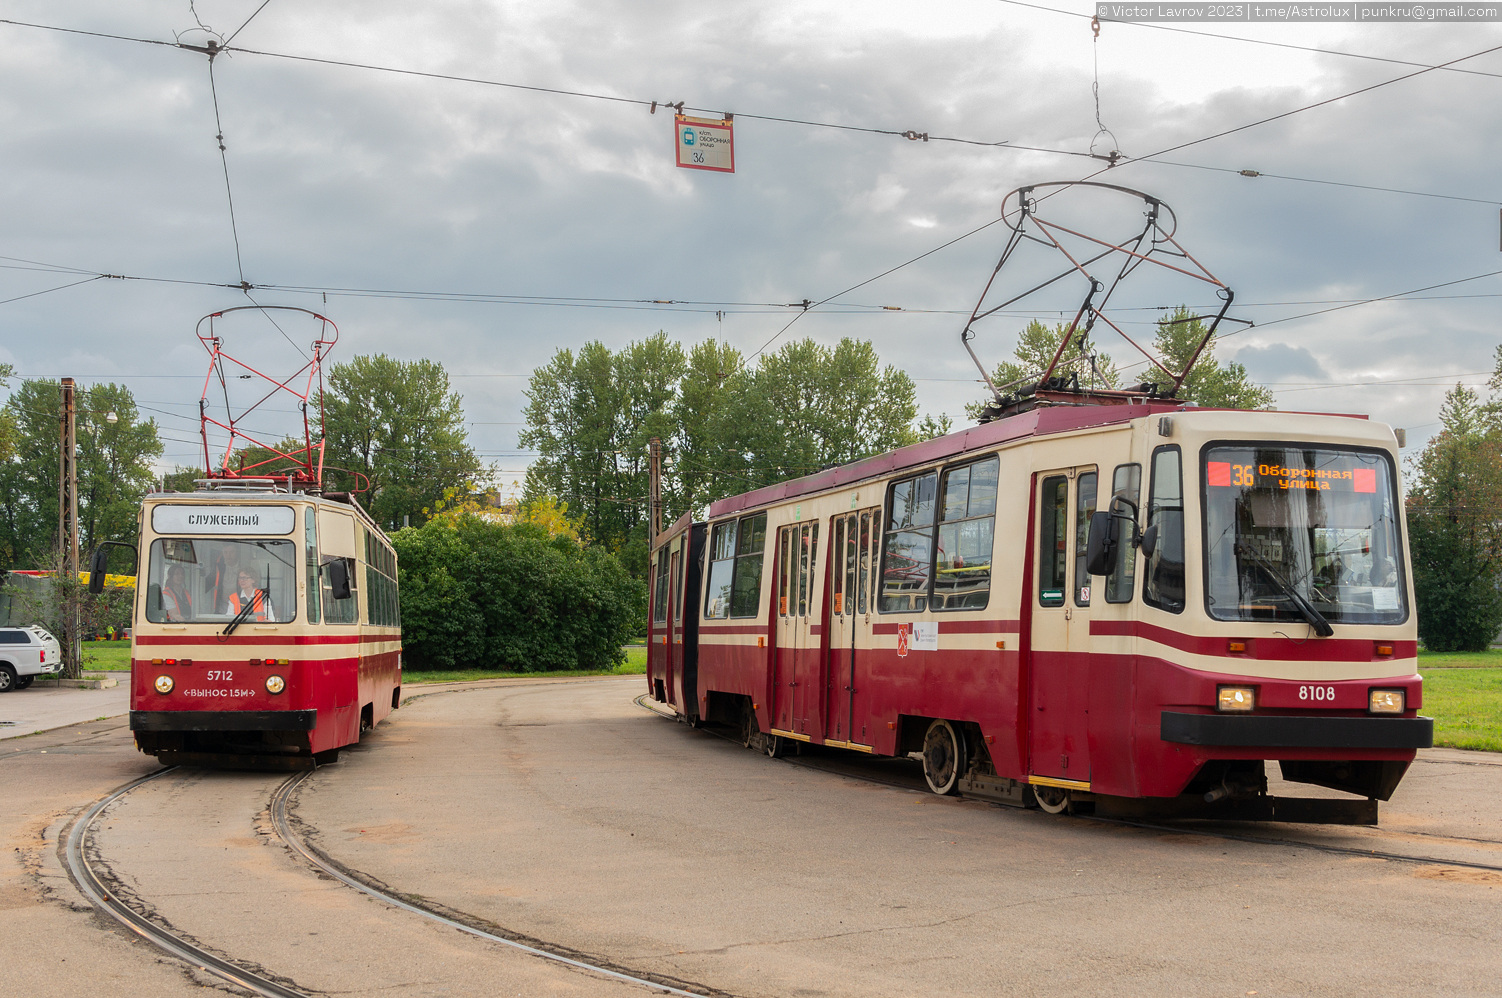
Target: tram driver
[(249, 593)]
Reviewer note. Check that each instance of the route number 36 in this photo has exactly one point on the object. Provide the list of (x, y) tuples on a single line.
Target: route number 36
[(1316, 693)]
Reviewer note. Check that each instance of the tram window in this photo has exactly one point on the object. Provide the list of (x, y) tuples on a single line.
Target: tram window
[(750, 552), (839, 576), (197, 580), (850, 558), (962, 577), (310, 524), (1164, 585), (1053, 539), (1120, 584), (339, 611), (863, 586), (678, 582), (721, 570), (1084, 502), (784, 569), (908, 553), (805, 565), (660, 587)]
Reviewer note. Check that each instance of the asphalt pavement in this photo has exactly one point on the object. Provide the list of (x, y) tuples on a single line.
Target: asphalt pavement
[(44, 707)]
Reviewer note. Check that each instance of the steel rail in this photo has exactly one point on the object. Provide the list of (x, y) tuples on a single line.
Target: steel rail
[(101, 897), (1272, 840), (283, 825)]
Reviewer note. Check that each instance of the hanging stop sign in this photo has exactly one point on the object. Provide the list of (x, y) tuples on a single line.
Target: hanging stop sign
[(705, 143)]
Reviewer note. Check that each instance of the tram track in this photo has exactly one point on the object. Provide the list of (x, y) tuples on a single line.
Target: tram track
[(90, 873), (284, 820), (83, 861), (853, 766)]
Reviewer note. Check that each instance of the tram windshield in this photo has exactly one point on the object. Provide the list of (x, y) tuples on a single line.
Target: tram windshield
[(1290, 530), (210, 580)]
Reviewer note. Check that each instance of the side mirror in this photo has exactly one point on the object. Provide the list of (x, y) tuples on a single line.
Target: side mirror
[(1150, 540), (1100, 546), (97, 566), (339, 578)]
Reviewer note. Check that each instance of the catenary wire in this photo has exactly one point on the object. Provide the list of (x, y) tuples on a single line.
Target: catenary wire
[(1106, 19)]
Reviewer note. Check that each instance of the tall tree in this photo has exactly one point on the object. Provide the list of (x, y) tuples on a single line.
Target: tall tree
[(114, 463), (396, 428), (1455, 528), (724, 427)]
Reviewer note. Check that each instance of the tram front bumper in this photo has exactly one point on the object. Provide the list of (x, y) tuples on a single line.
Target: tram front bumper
[(1289, 731), (223, 720)]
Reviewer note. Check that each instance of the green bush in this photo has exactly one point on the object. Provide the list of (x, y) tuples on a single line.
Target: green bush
[(476, 593)]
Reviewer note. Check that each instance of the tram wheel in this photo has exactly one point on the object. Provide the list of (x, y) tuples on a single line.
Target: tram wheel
[(943, 757), (750, 732), (1052, 799), (773, 745)]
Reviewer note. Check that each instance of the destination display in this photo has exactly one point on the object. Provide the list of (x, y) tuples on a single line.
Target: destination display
[(1345, 475), (182, 518)]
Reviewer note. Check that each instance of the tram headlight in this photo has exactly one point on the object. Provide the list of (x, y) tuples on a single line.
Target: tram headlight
[(1387, 701), (163, 684), (275, 684), (1235, 699)]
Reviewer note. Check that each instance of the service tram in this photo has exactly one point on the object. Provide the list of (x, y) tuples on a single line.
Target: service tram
[(266, 625), (1129, 608)]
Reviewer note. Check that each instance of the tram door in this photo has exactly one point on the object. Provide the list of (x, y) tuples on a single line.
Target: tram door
[(1058, 666), (796, 673), (849, 619)]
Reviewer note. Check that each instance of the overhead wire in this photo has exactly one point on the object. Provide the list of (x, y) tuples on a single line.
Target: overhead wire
[(901, 133), (1107, 19)]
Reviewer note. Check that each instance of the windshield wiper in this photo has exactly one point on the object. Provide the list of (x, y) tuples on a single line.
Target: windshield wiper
[(245, 611), (1306, 609)]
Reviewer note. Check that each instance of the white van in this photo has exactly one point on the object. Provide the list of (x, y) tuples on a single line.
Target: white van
[(25, 653)]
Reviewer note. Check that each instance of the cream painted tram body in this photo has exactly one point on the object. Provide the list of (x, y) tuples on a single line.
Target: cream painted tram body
[(313, 659), (936, 601)]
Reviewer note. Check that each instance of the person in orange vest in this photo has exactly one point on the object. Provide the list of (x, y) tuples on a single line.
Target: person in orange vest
[(261, 608), (177, 602)]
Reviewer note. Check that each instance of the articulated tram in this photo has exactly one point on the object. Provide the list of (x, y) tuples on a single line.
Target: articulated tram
[(1132, 608), (266, 625)]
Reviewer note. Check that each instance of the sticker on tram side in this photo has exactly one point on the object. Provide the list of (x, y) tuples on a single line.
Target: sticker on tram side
[(902, 640), (925, 636)]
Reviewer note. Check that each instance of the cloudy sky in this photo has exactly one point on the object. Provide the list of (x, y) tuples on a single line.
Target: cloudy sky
[(348, 178)]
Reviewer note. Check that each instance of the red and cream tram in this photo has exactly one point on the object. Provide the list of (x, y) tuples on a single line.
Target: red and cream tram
[(266, 625), (1127, 607)]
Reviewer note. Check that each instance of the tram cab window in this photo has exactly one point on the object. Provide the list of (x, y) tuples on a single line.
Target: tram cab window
[(1053, 541), (1164, 584), (1084, 509), (1121, 583), (962, 574), (736, 552), (1286, 523), (197, 580), (310, 531)]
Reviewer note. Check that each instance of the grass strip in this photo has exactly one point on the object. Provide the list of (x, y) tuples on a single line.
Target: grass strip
[(1466, 704)]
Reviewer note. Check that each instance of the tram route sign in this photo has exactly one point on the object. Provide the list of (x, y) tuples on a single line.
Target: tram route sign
[(704, 143), (204, 518)]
